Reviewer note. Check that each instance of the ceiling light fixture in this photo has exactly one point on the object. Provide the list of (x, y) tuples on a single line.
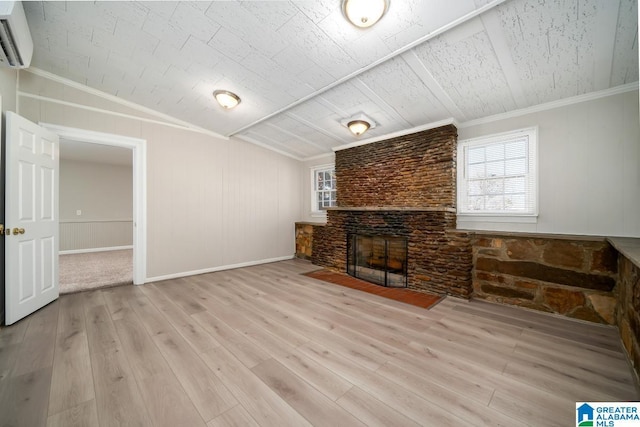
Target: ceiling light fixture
[(364, 13), (358, 124), (358, 127), (226, 99)]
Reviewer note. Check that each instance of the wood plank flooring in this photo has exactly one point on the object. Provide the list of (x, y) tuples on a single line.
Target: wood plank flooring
[(267, 346)]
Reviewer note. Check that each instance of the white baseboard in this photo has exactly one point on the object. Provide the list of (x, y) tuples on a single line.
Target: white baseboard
[(86, 251), (214, 269)]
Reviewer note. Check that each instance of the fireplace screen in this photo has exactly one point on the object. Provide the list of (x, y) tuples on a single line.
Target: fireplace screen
[(378, 259)]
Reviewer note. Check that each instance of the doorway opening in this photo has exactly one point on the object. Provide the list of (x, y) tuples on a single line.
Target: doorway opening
[(137, 151), (95, 216)]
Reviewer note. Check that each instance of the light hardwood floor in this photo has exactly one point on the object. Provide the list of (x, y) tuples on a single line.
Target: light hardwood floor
[(266, 346)]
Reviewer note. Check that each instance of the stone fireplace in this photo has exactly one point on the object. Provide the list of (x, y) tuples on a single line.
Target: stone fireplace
[(400, 190)]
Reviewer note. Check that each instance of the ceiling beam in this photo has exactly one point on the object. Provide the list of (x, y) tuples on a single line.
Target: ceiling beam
[(331, 106), (491, 23), (397, 52), (430, 82), (296, 136), (313, 126), (371, 94), (604, 42)]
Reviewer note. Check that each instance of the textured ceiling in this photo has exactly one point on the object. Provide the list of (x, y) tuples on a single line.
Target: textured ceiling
[(300, 67)]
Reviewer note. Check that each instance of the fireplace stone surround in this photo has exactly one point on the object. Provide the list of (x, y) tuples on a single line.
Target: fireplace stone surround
[(438, 257), (403, 187)]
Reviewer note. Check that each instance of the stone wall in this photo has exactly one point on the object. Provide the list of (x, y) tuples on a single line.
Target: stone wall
[(571, 276), (628, 311), (439, 258), (417, 170), (304, 239)]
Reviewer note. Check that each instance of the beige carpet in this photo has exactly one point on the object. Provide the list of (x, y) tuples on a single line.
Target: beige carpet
[(79, 272)]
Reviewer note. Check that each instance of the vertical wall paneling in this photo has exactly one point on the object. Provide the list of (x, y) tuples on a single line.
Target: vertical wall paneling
[(211, 202), (76, 236)]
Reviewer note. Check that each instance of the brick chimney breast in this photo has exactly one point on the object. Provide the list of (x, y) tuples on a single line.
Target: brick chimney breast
[(406, 187), (416, 170)]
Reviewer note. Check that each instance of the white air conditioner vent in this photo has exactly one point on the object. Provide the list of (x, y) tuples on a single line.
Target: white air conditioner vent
[(15, 40)]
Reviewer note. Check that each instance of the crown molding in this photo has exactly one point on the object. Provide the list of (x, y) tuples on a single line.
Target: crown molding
[(497, 117), (112, 98), (630, 87), (111, 113), (319, 156), (428, 126)]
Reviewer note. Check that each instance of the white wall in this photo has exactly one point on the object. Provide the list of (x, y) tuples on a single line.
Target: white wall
[(589, 167), (211, 203), (100, 191), (305, 171), (103, 193), (8, 81)]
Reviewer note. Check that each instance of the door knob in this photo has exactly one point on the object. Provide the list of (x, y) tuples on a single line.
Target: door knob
[(18, 231)]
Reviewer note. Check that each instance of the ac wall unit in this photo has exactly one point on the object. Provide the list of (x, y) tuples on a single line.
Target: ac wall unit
[(15, 39)]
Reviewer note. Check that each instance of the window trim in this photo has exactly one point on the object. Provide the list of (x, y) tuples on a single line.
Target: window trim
[(314, 207), (533, 161)]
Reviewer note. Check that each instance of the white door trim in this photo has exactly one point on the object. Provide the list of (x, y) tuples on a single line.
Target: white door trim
[(139, 147)]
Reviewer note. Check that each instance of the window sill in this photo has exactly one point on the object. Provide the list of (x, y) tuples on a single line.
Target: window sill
[(316, 214), (523, 219)]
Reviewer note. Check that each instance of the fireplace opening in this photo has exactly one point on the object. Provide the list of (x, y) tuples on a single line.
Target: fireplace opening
[(378, 259)]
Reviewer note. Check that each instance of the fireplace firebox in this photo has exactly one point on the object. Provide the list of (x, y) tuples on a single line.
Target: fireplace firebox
[(378, 259)]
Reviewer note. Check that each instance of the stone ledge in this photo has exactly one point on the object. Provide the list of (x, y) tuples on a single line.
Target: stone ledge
[(627, 246), (393, 209), (546, 236)]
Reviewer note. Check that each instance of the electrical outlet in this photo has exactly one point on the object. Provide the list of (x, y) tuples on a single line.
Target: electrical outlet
[(78, 212)]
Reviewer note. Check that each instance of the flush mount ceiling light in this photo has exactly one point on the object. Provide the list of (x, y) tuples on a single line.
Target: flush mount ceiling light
[(358, 127), (364, 13), (358, 124), (226, 99)]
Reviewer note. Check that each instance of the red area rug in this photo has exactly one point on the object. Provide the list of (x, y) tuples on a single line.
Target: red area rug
[(407, 296)]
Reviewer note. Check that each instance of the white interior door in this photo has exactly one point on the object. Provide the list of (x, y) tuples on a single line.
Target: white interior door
[(31, 218)]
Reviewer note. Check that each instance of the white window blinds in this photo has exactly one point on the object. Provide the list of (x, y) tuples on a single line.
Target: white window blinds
[(497, 174)]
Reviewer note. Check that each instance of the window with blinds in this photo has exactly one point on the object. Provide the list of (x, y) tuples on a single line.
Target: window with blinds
[(497, 174), (324, 188)]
